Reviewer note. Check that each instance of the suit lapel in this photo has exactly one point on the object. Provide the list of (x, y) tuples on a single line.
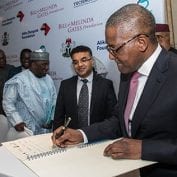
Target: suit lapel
[(94, 93), (73, 92), (155, 81)]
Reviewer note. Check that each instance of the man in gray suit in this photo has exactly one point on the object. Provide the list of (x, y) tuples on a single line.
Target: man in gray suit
[(102, 97), (152, 132)]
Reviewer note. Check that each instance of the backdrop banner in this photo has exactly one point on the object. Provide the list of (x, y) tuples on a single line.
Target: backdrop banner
[(58, 26)]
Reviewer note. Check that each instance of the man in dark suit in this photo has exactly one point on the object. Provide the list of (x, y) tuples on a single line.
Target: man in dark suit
[(24, 60), (4, 71), (152, 133), (102, 97)]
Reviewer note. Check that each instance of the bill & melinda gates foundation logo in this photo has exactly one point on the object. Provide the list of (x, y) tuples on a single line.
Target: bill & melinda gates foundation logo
[(46, 10), (80, 24)]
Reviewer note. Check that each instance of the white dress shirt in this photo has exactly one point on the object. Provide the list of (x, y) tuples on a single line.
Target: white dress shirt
[(89, 85), (144, 70)]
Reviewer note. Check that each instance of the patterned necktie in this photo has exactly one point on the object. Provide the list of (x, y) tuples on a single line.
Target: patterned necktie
[(130, 100), (83, 105)]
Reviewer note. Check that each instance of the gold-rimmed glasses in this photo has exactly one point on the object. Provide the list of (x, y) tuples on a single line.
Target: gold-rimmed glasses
[(114, 50)]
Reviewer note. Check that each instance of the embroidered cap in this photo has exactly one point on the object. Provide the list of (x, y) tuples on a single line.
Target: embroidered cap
[(162, 28), (39, 55)]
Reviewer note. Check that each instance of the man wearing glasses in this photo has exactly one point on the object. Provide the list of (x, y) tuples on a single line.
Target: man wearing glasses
[(150, 132), (99, 98)]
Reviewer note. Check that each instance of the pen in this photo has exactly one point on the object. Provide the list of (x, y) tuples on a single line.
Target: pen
[(63, 128)]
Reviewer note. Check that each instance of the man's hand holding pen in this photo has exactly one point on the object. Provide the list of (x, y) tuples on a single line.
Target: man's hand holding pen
[(69, 137), (64, 127), (64, 136)]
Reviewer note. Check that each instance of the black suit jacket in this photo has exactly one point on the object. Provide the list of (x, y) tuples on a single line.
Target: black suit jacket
[(173, 50), (154, 120), (103, 99), (14, 71)]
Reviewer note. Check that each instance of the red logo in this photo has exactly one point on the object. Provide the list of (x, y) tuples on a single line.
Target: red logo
[(45, 28), (20, 15)]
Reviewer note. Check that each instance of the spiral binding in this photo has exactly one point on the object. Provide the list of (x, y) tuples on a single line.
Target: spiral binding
[(90, 144), (86, 145), (44, 154)]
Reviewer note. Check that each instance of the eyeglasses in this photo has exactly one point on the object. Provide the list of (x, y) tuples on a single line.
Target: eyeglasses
[(114, 50), (82, 60)]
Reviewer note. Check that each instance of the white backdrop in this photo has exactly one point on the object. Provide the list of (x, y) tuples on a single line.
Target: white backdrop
[(59, 26)]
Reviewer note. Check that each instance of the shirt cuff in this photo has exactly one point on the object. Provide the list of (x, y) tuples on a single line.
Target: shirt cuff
[(84, 136)]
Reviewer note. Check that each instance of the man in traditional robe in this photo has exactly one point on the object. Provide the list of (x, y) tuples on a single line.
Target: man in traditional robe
[(29, 98)]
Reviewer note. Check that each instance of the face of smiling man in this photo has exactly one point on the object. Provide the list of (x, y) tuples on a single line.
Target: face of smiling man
[(82, 63)]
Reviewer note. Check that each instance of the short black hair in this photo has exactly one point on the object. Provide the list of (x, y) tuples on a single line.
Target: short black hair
[(134, 18), (80, 48), (24, 51)]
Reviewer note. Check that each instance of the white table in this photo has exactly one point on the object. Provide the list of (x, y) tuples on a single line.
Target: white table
[(10, 166)]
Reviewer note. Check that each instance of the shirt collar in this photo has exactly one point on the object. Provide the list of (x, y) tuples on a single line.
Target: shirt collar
[(89, 78), (145, 69)]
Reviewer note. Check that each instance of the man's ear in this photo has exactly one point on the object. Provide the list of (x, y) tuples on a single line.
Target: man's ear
[(142, 43)]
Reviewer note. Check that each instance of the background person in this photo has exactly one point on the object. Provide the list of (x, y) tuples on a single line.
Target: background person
[(4, 71), (29, 98), (163, 36), (25, 63), (102, 97)]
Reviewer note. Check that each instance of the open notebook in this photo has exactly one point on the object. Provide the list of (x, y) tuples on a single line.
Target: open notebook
[(37, 153)]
